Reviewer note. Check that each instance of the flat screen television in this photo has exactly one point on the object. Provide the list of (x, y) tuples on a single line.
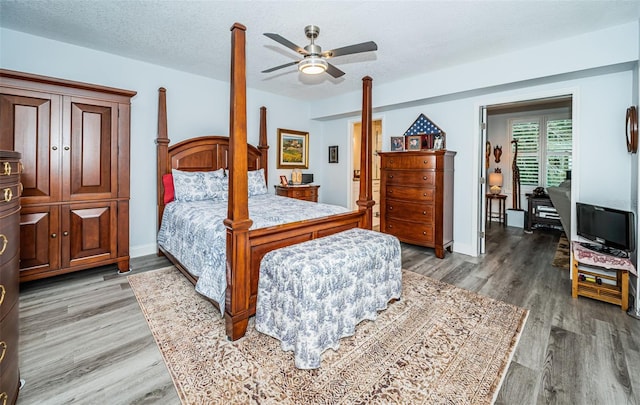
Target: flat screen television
[(612, 228)]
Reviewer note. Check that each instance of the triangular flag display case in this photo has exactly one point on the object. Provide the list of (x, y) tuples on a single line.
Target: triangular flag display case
[(431, 135)]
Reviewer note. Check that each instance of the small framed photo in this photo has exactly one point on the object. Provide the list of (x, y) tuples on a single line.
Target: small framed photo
[(333, 154), (397, 143), (438, 143), (283, 181), (414, 142)]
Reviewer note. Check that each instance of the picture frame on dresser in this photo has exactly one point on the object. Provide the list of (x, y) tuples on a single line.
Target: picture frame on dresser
[(283, 181), (414, 142), (397, 143)]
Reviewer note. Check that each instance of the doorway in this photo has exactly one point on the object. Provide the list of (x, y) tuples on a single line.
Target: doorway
[(376, 142), (538, 165)]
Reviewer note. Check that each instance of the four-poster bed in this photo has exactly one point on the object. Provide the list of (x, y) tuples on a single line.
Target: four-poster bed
[(245, 246)]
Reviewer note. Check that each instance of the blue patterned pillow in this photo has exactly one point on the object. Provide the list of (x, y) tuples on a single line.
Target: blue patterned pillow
[(198, 186), (257, 183)]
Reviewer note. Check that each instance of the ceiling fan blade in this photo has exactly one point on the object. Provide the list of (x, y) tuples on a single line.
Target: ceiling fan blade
[(347, 50), (334, 71), (280, 67), (283, 41)]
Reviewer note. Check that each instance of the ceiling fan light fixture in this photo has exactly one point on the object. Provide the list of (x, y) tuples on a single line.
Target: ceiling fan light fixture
[(312, 65)]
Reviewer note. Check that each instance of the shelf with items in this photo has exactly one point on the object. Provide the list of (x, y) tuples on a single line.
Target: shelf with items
[(541, 212), (600, 276)]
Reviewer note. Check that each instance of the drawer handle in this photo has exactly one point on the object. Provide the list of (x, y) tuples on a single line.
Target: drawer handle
[(424, 212), (391, 176), (424, 233), (3, 347), (65, 233), (54, 147), (424, 177), (425, 162), (5, 242), (2, 293), (4, 397), (390, 208), (8, 194), (20, 167), (7, 169), (54, 235), (67, 148), (424, 194)]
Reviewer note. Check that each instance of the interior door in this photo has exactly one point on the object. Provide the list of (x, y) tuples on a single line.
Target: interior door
[(482, 189)]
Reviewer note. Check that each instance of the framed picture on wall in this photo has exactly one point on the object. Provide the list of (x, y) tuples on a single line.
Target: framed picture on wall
[(293, 149), (333, 154)]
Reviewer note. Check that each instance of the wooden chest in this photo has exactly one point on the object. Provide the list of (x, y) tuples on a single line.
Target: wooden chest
[(10, 190), (416, 197)]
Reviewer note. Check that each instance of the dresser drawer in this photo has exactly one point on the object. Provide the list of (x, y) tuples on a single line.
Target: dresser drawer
[(9, 236), (413, 194), (414, 212), (410, 162), (9, 285), (411, 232), (9, 195), (9, 374), (421, 178)]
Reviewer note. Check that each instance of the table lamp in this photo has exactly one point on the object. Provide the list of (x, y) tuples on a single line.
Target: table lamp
[(495, 183)]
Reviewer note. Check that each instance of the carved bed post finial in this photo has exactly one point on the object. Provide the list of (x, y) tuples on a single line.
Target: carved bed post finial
[(365, 199)]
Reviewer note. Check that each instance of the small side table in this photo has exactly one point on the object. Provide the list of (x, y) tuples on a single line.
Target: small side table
[(594, 265), (502, 213)]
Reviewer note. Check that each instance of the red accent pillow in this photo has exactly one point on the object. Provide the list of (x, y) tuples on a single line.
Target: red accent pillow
[(169, 192)]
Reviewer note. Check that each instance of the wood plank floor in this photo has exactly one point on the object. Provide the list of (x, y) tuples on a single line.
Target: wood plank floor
[(83, 339)]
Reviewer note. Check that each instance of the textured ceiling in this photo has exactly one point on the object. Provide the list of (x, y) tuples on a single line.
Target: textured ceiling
[(413, 37)]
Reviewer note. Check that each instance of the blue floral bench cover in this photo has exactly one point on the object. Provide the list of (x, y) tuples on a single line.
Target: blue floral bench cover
[(313, 293)]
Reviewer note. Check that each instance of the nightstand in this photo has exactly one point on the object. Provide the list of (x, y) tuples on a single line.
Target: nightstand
[(303, 192)]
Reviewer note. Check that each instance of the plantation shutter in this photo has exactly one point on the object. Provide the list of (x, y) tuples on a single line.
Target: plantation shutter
[(558, 150), (527, 133)]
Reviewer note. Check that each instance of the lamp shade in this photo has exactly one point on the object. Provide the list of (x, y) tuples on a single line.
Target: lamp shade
[(495, 183), (312, 65)]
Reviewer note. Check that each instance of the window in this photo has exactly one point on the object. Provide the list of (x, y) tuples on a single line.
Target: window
[(544, 149)]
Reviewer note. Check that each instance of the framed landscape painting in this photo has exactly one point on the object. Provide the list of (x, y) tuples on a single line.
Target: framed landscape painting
[(293, 149)]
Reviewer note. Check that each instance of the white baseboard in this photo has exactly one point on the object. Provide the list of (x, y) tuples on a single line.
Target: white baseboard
[(143, 250)]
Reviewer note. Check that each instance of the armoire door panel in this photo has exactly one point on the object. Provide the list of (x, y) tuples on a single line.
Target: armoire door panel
[(88, 233), (29, 126), (39, 238), (91, 163)]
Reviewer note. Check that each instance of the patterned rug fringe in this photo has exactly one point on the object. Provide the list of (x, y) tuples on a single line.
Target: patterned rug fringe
[(438, 344)]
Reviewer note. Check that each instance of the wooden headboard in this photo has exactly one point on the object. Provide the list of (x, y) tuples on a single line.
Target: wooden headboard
[(205, 153)]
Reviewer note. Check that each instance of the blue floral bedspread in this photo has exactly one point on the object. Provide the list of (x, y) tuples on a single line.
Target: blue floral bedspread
[(313, 293), (194, 233)]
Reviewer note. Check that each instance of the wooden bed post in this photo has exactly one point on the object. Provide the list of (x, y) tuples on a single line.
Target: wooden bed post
[(162, 150), (263, 146), (238, 222), (365, 199)]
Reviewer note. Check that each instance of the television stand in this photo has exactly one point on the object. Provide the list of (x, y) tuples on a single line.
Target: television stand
[(600, 276), (605, 249)]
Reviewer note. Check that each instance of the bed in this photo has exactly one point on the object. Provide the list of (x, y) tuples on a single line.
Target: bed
[(231, 156)]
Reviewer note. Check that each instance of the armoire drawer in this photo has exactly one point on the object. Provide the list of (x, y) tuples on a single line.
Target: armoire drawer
[(410, 162), (417, 213), (410, 193), (408, 177), (411, 232)]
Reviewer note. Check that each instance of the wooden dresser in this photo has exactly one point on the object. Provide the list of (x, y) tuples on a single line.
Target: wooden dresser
[(416, 197), (309, 193), (74, 141), (10, 188)]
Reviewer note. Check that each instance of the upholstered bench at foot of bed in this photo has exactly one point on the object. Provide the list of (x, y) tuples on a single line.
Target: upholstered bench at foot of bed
[(314, 293)]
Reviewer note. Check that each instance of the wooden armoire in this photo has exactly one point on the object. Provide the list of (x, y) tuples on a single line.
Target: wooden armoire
[(74, 141), (416, 197)]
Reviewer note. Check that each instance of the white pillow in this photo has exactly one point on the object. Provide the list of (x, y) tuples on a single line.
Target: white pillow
[(198, 186), (257, 185)]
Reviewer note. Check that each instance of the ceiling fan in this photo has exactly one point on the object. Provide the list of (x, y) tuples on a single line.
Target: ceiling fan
[(314, 60)]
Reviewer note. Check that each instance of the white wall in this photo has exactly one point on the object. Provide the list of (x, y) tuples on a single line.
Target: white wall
[(196, 106), (598, 71)]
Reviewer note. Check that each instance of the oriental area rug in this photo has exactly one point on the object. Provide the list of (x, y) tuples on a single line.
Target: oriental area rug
[(438, 345), (562, 258)]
